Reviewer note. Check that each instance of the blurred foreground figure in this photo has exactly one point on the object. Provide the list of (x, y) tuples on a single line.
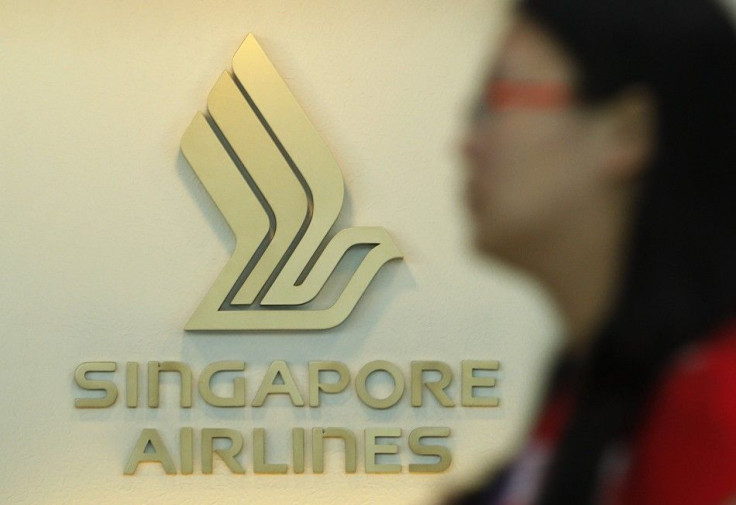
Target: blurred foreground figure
[(602, 160)]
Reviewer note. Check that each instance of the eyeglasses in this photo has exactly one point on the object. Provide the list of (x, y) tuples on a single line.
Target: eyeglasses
[(506, 94)]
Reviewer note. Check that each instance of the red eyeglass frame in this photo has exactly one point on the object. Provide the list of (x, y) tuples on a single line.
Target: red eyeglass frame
[(502, 94)]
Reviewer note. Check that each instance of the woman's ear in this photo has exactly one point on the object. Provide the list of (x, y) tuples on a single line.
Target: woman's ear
[(631, 132)]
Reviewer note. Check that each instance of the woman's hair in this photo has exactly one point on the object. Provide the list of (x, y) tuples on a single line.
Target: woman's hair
[(680, 277)]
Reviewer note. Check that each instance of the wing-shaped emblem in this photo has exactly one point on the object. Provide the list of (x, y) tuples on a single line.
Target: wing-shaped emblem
[(280, 190)]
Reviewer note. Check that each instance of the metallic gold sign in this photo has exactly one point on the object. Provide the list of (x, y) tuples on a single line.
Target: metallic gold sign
[(377, 444), (280, 190)]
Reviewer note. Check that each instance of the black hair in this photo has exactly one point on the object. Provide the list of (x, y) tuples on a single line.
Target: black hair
[(680, 276)]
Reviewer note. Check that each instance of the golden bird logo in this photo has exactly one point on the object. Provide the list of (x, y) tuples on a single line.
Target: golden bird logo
[(280, 190)]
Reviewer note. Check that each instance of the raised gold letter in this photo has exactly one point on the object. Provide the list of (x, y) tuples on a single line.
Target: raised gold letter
[(259, 455), (111, 391), (437, 388), (470, 381), (268, 385), (318, 449), (372, 449), (315, 386), (238, 398), (186, 443), (159, 455), (131, 385), (443, 453), (298, 448), (185, 374), (362, 390), (227, 455)]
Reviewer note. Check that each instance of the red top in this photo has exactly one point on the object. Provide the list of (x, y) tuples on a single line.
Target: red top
[(686, 449), (684, 452)]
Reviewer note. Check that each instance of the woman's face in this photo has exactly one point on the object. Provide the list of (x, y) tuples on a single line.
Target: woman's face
[(531, 149)]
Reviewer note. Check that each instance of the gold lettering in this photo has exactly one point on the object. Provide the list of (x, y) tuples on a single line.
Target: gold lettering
[(269, 386), (471, 381), (298, 449), (227, 455), (111, 391), (131, 385), (437, 388), (205, 391), (315, 385), (259, 455), (372, 449), (443, 453), (159, 454), (362, 390), (185, 375), (186, 443), (318, 450)]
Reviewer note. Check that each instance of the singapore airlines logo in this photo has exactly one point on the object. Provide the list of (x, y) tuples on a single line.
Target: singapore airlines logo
[(280, 190)]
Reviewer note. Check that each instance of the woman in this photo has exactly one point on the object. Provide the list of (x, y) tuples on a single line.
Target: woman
[(602, 159)]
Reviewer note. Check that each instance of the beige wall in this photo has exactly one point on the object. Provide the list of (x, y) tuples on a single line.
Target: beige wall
[(109, 241)]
